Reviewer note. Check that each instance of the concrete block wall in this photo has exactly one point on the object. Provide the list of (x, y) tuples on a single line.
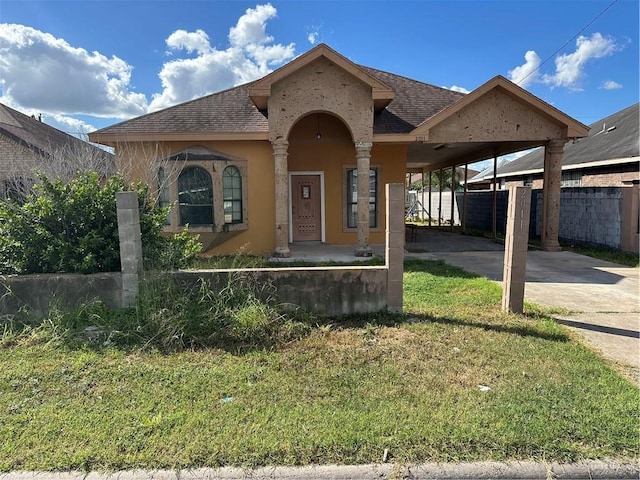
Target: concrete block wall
[(591, 215), (38, 294), (588, 215), (480, 210), (323, 290)]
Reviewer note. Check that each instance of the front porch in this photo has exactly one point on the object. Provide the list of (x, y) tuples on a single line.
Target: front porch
[(323, 253)]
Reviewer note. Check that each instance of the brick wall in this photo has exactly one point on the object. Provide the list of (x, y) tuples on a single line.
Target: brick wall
[(15, 161)]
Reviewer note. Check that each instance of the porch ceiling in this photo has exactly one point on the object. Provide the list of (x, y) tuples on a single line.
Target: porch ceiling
[(433, 156)]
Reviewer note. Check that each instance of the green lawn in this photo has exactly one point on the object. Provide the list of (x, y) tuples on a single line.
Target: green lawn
[(341, 393)]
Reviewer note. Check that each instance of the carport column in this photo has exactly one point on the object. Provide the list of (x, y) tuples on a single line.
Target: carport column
[(282, 198), (363, 156), (394, 253), (130, 245), (551, 195)]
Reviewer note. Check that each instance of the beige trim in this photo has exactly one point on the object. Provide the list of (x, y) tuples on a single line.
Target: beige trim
[(575, 129), (260, 90)]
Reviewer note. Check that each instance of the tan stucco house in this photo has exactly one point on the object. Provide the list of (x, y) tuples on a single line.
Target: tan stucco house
[(303, 154)]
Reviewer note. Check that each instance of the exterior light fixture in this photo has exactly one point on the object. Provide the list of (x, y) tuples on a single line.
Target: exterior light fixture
[(318, 134)]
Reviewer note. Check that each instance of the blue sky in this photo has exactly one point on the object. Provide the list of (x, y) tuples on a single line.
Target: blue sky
[(88, 64)]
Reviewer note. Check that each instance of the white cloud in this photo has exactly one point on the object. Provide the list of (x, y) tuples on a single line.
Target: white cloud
[(570, 67), (45, 74), (312, 37), (197, 41), (456, 88), (250, 55), (610, 85), (38, 70), (525, 74)]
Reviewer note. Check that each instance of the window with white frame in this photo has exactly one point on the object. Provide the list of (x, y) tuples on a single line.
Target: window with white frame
[(352, 198), (232, 195)]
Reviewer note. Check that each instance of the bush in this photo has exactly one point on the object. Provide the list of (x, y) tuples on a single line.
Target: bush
[(73, 227)]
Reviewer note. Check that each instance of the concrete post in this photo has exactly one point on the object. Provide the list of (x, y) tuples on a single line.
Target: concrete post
[(629, 238), (282, 198), (515, 249), (363, 157), (130, 245), (551, 195), (394, 253)]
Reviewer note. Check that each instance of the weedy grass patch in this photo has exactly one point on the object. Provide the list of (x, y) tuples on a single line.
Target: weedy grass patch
[(452, 379)]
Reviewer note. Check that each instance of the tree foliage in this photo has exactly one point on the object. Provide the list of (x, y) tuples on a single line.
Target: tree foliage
[(73, 227)]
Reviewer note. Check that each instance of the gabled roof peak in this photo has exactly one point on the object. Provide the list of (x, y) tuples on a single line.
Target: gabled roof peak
[(260, 90)]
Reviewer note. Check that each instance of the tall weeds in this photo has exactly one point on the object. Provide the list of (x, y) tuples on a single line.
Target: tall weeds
[(237, 315)]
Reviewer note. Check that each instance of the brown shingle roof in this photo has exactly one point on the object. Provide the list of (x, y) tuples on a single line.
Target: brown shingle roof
[(36, 135), (232, 111), (603, 143), (414, 102)]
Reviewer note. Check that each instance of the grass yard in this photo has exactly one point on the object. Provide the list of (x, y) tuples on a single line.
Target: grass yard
[(342, 392)]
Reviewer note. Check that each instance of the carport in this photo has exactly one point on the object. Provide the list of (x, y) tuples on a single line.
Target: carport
[(496, 119)]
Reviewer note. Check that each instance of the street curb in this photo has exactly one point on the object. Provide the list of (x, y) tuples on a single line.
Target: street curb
[(591, 470)]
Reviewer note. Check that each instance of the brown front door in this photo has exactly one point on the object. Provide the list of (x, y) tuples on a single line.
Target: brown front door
[(305, 208)]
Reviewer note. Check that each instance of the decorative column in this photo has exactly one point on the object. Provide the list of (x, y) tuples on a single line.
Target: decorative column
[(363, 157), (551, 195), (282, 198)]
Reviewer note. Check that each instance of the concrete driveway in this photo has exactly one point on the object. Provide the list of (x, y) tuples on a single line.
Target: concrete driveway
[(603, 298)]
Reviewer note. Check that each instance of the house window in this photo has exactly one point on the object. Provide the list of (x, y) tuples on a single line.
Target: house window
[(352, 198), (195, 196), (210, 190), (232, 195), (571, 178)]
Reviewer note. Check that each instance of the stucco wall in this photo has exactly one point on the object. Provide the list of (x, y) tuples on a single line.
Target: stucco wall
[(496, 115), (321, 86)]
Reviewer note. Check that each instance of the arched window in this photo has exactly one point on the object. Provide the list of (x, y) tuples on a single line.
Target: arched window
[(195, 196), (232, 195)]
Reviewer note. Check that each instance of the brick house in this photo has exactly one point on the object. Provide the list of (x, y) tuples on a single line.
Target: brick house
[(27, 144)]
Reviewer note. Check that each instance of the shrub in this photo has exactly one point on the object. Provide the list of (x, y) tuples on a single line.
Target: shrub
[(73, 227)]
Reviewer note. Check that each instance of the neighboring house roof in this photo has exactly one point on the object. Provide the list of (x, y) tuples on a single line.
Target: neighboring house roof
[(233, 111), (614, 139), (36, 135)]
